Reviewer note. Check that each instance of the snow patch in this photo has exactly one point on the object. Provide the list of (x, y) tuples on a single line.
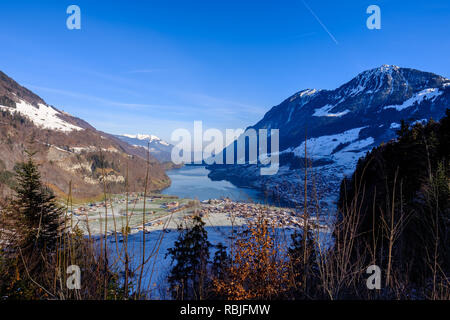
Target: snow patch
[(429, 94), (357, 90), (323, 146), (324, 112), (422, 121), (43, 116), (93, 149), (359, 144)]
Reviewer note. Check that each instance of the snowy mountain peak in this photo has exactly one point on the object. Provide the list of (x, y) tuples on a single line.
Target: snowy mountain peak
[(147, 137), (374, 99), (342, 125), (389, 81), (374, 79), (306, 93), (383, 69), (388, 67), (157, 147)]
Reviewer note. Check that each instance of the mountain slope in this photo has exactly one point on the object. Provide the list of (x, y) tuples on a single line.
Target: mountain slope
[(68, 149), (380, 96), (341, 125)]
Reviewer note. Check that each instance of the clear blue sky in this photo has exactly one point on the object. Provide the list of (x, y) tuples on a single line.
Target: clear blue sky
[(154, 66)]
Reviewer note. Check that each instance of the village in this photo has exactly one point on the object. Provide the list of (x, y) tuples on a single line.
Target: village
[(276, 216), (136, 213)]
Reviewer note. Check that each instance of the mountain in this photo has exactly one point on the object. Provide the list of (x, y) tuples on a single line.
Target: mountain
[(340, 125), (69, 150), (159, 148)]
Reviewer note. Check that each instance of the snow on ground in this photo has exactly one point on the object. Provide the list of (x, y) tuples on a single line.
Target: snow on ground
[(429, 94), (157, 242), (324, 112), (44, 116), (422, 121), (323, 146), (221, 219), (357, 90), (93, 149), (359, 144)]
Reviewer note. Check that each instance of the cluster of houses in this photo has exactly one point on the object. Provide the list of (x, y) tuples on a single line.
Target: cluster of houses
[(171, 205), (149, 225), (320, 193), (280, 217)]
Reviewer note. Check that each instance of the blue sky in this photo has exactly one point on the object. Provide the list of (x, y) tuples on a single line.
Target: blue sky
[(154, 66)]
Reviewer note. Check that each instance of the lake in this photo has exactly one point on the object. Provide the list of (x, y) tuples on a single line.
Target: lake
[(193, 182)]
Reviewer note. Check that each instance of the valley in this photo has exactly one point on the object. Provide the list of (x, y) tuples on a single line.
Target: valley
[(230, 156)]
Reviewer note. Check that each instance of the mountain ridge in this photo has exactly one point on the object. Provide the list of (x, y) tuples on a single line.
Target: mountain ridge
[(157, 147), (69, 150), (340, 126)]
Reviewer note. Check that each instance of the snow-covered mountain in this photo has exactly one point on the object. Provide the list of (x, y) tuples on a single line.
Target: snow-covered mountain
[(341, 125), (69, 150), (159, 148), (17, 99)]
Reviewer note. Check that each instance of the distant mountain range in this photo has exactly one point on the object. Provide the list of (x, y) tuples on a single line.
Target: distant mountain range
[(68, 149), (159, 148), (341, 125)]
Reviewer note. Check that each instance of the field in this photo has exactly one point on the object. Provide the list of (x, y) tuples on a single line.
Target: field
[(120, 212)]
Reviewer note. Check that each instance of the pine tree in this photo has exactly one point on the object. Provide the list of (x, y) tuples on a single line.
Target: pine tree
[(34, 220), (190, 253), (37, 210), (221, 261), (404, 129), (399, 193), (304, 264)]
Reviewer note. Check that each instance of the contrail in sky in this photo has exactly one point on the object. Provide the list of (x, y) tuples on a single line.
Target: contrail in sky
[(321, 23)]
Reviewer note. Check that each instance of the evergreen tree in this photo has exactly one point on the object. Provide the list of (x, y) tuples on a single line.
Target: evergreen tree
[(219, 270), (34, 221), (304, 265), (221, 261), (35, 206), (401, 193), (190, 253)]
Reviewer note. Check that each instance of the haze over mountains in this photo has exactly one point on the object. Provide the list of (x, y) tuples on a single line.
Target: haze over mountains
[(159, 148), (69, 150), (341, 125)]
